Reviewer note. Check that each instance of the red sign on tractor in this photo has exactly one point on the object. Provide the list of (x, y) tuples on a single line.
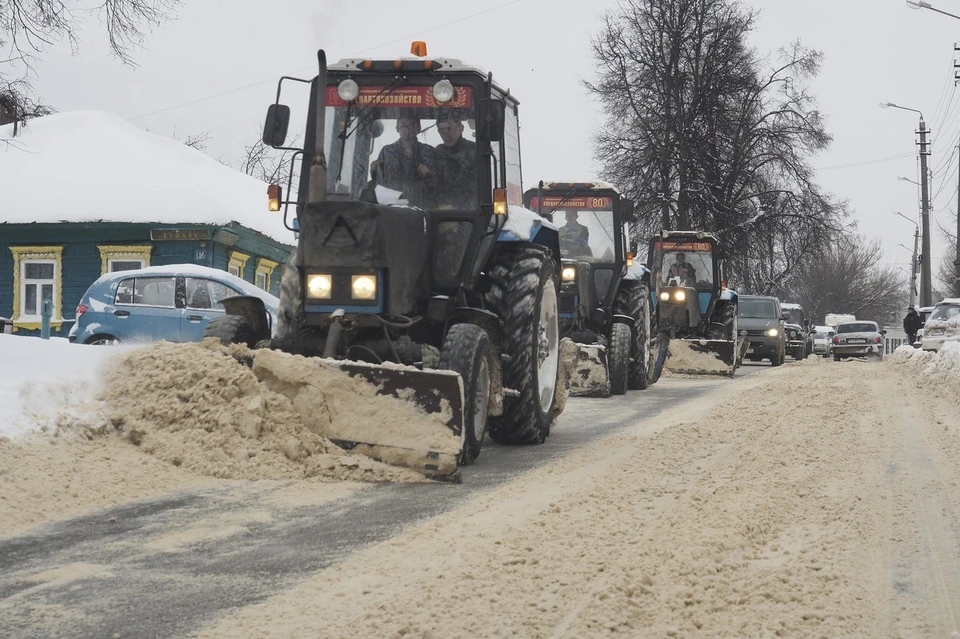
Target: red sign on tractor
[(579, 203), (402, 97)]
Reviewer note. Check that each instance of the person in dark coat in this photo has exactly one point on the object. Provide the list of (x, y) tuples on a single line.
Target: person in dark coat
[(408, 165), (457, 165), (911, 324)]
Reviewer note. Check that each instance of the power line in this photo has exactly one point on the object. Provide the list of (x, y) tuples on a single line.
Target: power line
[(274, 78), (867, 162)]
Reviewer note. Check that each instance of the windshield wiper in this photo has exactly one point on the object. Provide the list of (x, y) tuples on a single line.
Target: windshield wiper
[(345, 134), (562, 202)]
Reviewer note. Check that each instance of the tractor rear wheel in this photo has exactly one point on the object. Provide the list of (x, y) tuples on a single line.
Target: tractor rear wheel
[(466, 350), (523, 293), (633, 300), (618, 358)]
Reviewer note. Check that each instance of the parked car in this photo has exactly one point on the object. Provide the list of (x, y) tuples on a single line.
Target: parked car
[(924, 312), (172, 303), (762, 318), (943, 324), (797, 329), (861, 338)]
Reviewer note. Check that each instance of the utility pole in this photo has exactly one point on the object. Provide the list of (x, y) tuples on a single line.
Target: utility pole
[(913, 269), (926, 292), (956, 262)]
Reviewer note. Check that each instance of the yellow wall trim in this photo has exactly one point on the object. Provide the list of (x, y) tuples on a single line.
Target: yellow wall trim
[(23, 254), (117, 252), (238, 260), (265, 267)]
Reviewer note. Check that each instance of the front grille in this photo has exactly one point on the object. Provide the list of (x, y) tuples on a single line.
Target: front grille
[(755, 333), (568, 303)]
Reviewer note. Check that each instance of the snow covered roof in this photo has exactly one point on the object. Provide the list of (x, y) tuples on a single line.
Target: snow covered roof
[(93, 166), (790, 306)]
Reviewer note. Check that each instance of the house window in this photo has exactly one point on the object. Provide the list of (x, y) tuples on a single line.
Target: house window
[(237, 263), (115, 258), (37, 276), (264, 273)]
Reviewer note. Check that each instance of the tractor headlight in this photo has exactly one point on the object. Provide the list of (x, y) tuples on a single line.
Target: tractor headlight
[(664, 296), (680, 296), (363, 287), (443, 91), (348, 90), (772, 332), (568, 274), (319, 287)]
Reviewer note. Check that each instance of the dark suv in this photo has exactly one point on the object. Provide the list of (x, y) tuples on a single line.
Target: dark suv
[(762, 318)]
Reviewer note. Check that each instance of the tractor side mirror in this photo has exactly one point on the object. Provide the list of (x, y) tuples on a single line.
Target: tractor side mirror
[(634, 247), (275, 127), (629, 214), (491, 115), (376, 129)]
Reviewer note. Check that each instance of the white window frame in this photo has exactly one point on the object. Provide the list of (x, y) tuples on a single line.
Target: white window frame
[(23, 255), (265, 269), (237, 263), (110, 253)]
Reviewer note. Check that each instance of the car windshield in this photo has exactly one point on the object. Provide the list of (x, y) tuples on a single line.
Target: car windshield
[(945, 312), (758, 308), (819, 336), (796, 316), (397, 143), (861, 327)]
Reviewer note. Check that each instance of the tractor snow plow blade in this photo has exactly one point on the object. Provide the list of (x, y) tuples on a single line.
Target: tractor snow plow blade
[(398, 415), (590, 378), (702, 357)]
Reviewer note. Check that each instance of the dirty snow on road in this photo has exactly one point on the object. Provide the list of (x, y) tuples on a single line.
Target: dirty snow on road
[(818, 499)]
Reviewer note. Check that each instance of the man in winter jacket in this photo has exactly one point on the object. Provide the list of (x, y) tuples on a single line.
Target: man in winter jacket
[(911, 324)]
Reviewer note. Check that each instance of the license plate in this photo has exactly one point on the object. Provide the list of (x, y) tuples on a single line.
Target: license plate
[(856, 341), (749, 351)]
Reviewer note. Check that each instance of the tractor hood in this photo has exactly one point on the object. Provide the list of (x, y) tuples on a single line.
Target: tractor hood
[(364, 236)]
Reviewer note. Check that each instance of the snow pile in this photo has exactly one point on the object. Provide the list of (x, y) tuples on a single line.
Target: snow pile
[(683, 359), (590, 372), (938, 370), (103, 164), (811, 360), (45, 382), (198, 407)]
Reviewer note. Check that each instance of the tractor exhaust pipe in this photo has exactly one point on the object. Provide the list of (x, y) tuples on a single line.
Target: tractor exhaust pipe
[(318, 168)]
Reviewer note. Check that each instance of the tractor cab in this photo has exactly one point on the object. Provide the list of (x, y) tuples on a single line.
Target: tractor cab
[(688, 278), (592, 220)]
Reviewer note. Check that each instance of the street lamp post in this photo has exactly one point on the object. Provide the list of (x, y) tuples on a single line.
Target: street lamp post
[(926, 277), (922, 4), (913, 262)]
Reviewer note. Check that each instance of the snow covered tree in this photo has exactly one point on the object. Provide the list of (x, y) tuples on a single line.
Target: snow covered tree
[(703, 135)]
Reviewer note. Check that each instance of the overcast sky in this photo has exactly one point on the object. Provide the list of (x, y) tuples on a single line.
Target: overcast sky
[(214, 70)]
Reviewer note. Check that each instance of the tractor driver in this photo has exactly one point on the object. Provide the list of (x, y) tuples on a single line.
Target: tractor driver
[(407, 165), (575, 237), (684, 270), (456, 163)]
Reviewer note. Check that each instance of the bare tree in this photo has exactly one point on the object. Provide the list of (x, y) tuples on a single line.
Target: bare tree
[(196, 141), (268, 164), (849, 278), (703, 136)]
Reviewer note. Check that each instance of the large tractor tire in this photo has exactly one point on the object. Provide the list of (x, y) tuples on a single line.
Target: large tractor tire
[(523, 293), (231, 329), (633, 300), (466, 350), (291, 300), (658, 355), (618, 358)]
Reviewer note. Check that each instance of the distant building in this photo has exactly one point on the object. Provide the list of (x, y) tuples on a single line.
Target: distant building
[(86, 193)]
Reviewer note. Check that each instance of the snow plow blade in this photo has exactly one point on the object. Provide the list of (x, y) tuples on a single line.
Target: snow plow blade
[(702, 357), (433, 391), (429, 440), (589, 378)]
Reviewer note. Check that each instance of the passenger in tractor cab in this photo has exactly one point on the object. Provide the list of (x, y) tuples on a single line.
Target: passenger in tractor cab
[(456, 163), (683, 270), (408, 165), (574, 237)]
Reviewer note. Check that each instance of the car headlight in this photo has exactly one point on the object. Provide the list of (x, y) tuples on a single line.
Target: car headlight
[(680, 296), (568, 274), (319, 287), (772, 332), (664, 296), (363, 287)]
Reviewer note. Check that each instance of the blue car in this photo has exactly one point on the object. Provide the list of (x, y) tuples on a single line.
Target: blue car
[(172, 303)]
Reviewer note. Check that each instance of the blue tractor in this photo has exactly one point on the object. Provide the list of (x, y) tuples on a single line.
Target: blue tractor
[(416, 265)]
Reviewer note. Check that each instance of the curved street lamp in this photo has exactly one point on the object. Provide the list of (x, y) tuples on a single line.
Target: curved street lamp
[(906, 179), (922, 4)]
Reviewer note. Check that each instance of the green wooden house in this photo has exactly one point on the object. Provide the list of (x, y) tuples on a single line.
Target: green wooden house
[(85, 193)]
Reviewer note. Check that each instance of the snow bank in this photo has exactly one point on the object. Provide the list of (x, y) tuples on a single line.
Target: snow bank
[(938, 370), (40, 379), (106, 169)]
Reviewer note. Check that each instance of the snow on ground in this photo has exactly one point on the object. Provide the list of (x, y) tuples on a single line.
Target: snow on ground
[(109, 170), (938, 370), (41, 378), (806, 501)]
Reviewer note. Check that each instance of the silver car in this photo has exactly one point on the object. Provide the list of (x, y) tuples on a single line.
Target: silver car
[(857, 339)]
